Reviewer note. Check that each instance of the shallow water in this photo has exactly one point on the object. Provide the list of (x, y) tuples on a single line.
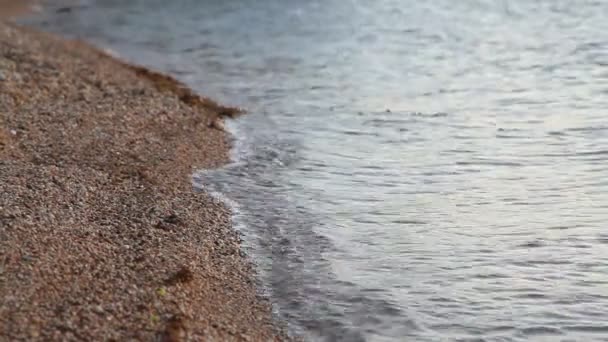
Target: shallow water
[(412, 170)]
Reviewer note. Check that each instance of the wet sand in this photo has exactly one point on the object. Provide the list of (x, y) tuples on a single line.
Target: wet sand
[(102, 236)]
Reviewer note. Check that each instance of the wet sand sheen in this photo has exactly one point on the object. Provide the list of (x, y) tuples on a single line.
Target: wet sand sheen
[(101, 234)]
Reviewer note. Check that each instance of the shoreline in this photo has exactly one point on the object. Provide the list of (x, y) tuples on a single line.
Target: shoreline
[(102, 235)]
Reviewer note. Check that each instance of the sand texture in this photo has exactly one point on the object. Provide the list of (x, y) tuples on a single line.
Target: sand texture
[(102, 236)]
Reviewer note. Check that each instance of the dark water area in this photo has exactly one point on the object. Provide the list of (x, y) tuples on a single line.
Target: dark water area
[(409, 170)]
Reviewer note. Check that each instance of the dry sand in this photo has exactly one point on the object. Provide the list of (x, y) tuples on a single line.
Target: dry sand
[(102, 236)]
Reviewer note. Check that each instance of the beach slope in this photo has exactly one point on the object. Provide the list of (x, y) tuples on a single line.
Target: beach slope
[(102, 236)]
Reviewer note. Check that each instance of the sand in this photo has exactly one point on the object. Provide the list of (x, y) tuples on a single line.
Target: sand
[(102, 236), (10, 8)]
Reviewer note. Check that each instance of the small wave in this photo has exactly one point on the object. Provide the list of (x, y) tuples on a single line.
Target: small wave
[(589, 46), (489, 163), (458, 151), (541, 330), (430, 115), (200, 47), (530, 295), (490, 276), (592, 153), (505, 136), (600, 329), (408, 222), (587, 129), (532, 244), (361, 133)]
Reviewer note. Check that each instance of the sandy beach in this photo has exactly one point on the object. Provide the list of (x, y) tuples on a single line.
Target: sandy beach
[(102, 236), (10, 8)]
